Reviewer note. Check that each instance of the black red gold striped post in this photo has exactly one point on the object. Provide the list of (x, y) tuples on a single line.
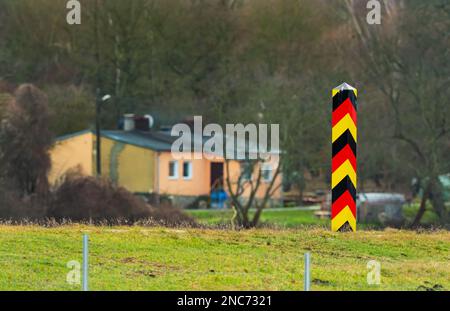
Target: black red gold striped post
[(343, 163)]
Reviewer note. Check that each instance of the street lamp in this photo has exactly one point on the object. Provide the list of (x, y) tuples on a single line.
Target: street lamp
[(98, 102)]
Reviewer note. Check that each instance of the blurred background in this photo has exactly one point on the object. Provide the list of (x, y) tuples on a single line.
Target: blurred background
[(260, 61)]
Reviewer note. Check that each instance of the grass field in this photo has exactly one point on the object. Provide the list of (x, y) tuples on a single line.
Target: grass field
[(284, 218), (297, 217), (139, 258)]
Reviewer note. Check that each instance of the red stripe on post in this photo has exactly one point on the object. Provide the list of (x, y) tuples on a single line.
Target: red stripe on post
[(344, 200), (345, 154), (342, 110)]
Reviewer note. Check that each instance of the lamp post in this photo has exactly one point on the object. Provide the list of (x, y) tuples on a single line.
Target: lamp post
[(98, 102)]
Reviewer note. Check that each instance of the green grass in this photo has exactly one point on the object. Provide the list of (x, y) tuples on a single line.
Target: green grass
[(138, 258), (287, 218), (295, 218)]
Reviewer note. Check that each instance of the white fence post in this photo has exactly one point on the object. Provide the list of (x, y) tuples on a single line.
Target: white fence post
[(307, 275), (85, 262)]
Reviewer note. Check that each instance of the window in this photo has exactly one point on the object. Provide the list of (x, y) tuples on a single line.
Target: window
[(187, 170), (266, 172), (246, 170), (173, 169)]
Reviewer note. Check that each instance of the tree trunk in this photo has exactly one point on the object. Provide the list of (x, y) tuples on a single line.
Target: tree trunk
[(241, 218), (257, 215), (437, 201), (423, 203), (245, 220)]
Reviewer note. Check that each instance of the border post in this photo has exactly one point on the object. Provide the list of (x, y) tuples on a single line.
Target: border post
[(343, 163)]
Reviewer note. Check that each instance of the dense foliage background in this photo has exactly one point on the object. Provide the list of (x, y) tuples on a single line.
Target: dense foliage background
[(265, 61)]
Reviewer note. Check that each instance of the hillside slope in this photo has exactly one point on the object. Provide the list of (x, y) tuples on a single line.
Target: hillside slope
[(138, 258)]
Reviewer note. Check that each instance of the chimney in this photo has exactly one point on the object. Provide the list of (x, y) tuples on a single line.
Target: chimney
[(143, 123), (128, 122)]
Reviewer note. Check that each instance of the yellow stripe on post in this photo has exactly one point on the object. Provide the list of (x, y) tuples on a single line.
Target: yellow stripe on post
[(344, 216), (346, 123), (346, 169)]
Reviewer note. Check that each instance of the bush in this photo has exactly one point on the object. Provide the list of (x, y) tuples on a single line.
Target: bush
[(16, 208), (87, 198), (25, 141), (168, 215), (84, 198)]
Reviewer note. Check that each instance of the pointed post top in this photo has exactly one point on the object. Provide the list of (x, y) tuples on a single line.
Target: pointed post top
[(344, 86)]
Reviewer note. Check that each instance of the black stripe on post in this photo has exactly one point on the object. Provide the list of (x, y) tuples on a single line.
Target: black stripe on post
[(344, 185), (345, 139), (341, 96)]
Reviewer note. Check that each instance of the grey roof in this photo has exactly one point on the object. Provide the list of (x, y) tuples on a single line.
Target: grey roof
[(150, 140), (159, 140)]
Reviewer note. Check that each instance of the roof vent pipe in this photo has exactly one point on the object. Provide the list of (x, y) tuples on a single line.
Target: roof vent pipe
[(128, 122), (151, 120)]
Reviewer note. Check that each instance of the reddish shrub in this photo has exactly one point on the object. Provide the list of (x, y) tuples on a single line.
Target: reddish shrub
[(83, 198), (168, 215), (16, 208)]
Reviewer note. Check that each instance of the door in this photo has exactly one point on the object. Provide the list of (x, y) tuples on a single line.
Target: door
[(216, 180)]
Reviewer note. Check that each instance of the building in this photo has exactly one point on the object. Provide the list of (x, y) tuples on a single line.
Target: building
[(140, 159)]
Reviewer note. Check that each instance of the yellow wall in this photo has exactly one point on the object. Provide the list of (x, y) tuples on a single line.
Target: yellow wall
[(139, 169), (197, 185), (70, 153), (129, 166), (235, 171)]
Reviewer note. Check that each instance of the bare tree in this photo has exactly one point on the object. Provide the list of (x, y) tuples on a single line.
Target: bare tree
[(25, 140), (244, 189)]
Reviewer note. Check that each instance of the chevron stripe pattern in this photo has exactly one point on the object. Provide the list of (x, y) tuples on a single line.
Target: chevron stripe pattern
[(343, 163)]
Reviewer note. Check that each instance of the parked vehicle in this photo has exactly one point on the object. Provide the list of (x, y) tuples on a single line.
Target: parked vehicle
[(374, 207), (385, 208)]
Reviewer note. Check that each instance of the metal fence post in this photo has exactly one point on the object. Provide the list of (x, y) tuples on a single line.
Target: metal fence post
[(85, 262), (307, 275)]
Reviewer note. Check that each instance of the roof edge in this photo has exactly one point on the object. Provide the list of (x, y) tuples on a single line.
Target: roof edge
[(71, 135)]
